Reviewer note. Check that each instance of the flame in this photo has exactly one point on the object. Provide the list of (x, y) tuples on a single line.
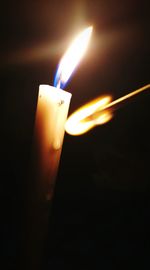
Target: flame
[(72, 57), (88, 116), (97, 112)]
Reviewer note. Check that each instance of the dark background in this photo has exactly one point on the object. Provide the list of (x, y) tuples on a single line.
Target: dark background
[(101, 207)]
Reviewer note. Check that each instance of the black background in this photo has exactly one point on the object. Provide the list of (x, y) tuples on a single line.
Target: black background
[(101, 203)]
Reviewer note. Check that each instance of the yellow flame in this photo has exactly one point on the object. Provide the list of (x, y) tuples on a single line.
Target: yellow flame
[(89, 116), (96, 112), (74, 54)]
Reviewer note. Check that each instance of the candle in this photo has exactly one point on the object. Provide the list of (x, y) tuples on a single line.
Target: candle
[(51, 114)]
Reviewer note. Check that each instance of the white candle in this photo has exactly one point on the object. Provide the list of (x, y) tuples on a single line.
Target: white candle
[(51, 115)]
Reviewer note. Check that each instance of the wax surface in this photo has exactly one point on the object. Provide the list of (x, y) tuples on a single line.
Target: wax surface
[(51, 115)]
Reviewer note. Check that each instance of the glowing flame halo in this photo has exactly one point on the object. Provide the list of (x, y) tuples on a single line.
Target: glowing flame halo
[(72, 58)]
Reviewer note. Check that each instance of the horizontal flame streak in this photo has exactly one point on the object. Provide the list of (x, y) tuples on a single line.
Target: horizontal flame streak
[(85, 119), (96, 112)]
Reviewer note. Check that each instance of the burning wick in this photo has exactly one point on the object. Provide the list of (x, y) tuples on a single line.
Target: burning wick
[(96, 112)]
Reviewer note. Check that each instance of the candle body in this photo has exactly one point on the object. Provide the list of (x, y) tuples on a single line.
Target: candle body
[(51, 115)]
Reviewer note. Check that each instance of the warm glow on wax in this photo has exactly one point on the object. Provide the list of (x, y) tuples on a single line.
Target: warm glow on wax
[(88, 116), (72, 57)]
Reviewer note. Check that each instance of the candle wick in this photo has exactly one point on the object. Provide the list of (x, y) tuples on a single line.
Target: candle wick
[(58, 84), (59, 81)]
